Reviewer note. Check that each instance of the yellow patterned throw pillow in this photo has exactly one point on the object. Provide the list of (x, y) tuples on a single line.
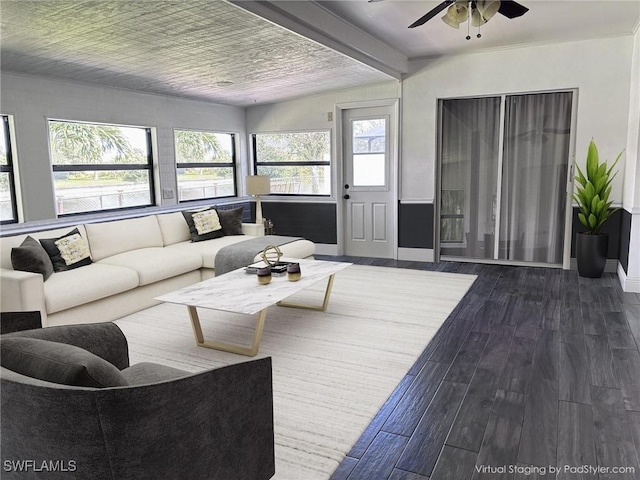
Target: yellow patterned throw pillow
[(67, 252), (204, 224), (206, 221), (72, 249)]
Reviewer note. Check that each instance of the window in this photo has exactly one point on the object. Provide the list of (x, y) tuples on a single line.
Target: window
[(8, 208), (299, 163), (99, 167), (206, 165)]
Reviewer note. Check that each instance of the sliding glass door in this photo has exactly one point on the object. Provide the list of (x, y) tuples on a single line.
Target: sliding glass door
[(503, 175)]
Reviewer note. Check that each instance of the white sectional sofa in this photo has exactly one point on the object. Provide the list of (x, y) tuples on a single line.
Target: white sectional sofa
[(134, 260)]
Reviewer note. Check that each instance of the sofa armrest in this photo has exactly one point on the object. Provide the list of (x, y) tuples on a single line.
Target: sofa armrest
[(216, 424), (254, 229), (105, 340), (18, 321), (22, 291)]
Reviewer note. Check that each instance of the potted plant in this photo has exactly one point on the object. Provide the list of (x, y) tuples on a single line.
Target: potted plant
[(592, 197)]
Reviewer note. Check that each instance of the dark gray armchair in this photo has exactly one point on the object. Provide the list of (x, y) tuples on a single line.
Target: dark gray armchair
[(166, 424)]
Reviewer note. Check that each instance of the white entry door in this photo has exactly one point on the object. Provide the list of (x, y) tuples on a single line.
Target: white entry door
[(369, 182)]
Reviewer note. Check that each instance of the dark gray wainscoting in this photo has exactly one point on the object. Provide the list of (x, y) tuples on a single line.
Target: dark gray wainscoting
[(625, 239), (415, 225), (314, 221)]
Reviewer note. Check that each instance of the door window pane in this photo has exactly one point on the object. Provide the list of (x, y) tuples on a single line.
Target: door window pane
[(469, 162), (369, 153), (534, 176)]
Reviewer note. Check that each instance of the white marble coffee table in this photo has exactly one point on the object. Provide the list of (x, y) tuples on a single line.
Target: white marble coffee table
[(240, 292)]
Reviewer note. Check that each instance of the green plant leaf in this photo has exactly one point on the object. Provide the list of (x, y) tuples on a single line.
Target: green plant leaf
[(594, 204), (592, 160), (593, 221), (589, 191), (583, 219)]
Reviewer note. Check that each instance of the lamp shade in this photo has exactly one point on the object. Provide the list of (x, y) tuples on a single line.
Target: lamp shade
[(258, 185)]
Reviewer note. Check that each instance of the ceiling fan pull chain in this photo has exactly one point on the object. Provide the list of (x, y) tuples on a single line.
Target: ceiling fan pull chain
[(469, 21)]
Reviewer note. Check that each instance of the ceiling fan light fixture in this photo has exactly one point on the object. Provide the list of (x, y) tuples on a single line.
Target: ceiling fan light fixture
[(476, 18), (487, 8), (456, 14)]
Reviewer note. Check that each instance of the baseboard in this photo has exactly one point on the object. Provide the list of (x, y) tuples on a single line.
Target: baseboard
[(610, 267), (415, 254), (326, 249), (631, 285)]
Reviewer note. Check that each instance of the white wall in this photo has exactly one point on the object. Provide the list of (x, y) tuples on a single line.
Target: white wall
[(33, 100), (631, 194), (310, 113), (599, 69)]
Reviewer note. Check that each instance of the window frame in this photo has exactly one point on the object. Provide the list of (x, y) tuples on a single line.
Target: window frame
[(233, 165), (317, 163), (9, 168), (105, 167)]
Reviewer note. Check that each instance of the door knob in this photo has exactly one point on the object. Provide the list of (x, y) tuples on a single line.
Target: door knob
[(346, 196), (347, 186)]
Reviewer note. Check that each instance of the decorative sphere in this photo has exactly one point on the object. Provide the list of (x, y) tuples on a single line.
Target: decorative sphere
[(271, 254)]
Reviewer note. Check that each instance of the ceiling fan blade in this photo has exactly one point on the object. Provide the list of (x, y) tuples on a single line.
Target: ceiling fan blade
[(511, 9), (432, 13)]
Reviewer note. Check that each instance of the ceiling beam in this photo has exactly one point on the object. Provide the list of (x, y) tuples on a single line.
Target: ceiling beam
[(313, 21)]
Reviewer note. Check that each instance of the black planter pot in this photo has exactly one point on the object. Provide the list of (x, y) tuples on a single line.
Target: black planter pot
[(591, 254)]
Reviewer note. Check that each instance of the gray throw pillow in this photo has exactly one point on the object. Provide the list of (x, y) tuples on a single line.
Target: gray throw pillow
[(58, 363), (30, 256), (68, 251), (231, 220)]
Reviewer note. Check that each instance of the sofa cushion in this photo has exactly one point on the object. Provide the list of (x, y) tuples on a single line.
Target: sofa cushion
[(174, 228), (155, 264), (231, 220), (31, 256), (58, 363), (76, 287), (68, 251), (204, 224), (111, 238), (145, 372)]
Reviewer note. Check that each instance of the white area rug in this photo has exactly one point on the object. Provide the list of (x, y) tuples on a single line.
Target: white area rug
[(332, 370)]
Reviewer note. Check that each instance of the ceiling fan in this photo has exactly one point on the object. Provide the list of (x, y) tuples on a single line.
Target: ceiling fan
[(480, 11)]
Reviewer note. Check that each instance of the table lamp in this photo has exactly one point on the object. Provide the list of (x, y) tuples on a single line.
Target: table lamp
[(258, 185)]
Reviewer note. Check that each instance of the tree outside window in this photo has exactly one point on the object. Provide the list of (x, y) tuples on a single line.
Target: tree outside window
[(206, 165), (100, 167), (299, 163)]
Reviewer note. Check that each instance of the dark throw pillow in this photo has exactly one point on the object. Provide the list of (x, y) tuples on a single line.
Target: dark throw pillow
[(204, 224), (231, 221), (30, 256), (58, 363), (67, 252)]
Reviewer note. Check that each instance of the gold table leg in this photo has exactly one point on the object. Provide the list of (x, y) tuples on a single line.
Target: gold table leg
[(322, 308), (227, 347)]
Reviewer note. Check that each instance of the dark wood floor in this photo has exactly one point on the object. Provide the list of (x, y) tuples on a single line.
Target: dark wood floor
[(535, 368)]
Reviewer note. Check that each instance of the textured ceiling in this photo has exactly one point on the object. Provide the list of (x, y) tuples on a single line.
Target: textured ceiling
[(183, 48), (191, 48)]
